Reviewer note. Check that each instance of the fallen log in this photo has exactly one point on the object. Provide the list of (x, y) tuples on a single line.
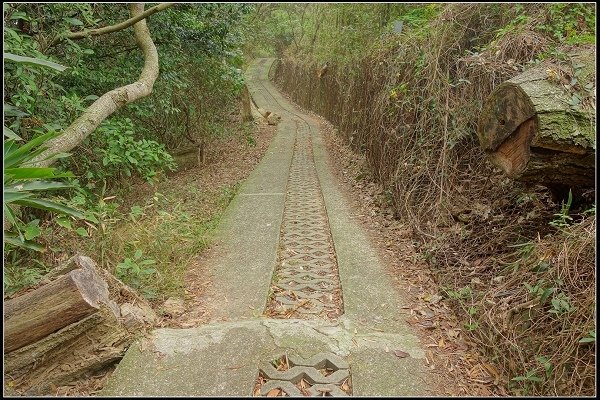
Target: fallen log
[(79, 348), (38, 313), (539, 127)]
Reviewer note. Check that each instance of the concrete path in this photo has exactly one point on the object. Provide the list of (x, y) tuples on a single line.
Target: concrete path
[(290, 248)]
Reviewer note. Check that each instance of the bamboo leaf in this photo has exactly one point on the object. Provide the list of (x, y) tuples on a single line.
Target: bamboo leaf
[(40, 185), (28, 244), (30, 173), (33, 61), (10, 134), (11, 197), (50, 206), (16, 155)]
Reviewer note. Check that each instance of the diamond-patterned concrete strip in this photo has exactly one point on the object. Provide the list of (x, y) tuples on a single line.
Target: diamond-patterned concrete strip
[(306, 283), (331, 390), (320, 361), (310, 374), (288, 387)]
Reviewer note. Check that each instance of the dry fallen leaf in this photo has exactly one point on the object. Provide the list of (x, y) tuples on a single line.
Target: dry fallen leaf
[(274, 392), (401, 354), (452, 333)]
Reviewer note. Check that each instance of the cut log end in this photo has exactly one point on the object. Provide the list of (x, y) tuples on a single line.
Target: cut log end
[(70, 327), (506, 110), (513, 154), (529, 130)]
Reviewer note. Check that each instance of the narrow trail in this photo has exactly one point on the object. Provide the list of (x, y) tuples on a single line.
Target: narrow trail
[(294, 279)]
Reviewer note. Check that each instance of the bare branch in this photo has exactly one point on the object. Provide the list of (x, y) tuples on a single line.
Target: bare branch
[(111, 28)]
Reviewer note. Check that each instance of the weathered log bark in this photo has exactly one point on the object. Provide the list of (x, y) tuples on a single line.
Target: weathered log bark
[(246, 105), (529, 130), (66, 300), (84, 347)]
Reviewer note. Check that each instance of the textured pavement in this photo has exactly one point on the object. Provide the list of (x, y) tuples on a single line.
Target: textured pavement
[(290, 249)]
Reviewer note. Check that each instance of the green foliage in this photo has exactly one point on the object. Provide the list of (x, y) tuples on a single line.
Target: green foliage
[(133, 271), (539, 291), (418, 17), (120, 154), (16, 275), (571, 23), (561, 304), (518, 23), (28, 186), (33, 61), (200, 79), (563, 218), (162, 230), (463, 293), (328, 32), (590, 338)]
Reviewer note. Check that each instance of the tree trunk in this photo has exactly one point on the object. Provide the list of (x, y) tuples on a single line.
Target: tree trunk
[(83, 347), (111, 101), (246, 105), (529, 130)]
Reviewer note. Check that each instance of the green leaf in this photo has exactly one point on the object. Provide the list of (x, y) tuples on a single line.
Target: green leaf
[(8, 214), (14, 155), (90, 217), (91, 97), (527, 378), (13, 196), (12, 111), (64, 222), (74, 21), (590, 338), (82, 232), (546, 294), (33, 61), (40, 185), (30, 173), (19, 15), (149, 271), (16, 241), (60, 155), (137, 255), (51, 206), (10, 134), (32, 231)]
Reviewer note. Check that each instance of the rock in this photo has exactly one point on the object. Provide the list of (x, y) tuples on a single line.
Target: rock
[(173, 307)]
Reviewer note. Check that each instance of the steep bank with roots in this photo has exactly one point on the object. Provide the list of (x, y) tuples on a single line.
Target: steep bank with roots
[(510, 259)]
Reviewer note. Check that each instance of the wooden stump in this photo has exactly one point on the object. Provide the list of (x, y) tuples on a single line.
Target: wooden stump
[(530, 128), (246, 105), (70, 328)]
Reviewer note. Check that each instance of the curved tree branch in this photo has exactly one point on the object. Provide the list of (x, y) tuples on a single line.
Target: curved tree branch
[(111, 101), (111, 28)]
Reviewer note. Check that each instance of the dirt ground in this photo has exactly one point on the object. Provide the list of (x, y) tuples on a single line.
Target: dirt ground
[(460, 369)]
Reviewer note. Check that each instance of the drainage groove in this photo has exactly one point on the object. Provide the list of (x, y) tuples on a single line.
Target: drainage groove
[(306, 282)]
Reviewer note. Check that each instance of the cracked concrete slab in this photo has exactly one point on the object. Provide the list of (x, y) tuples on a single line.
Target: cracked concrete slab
[(217, 360)]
